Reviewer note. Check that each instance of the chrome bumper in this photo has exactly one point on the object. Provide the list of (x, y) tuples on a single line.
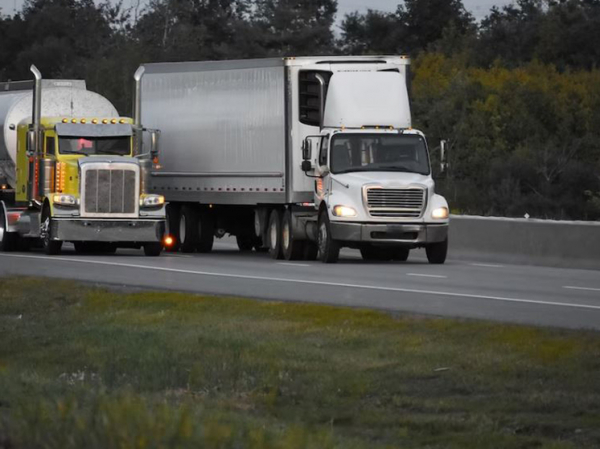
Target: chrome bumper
[(87, 230), (408, 234)]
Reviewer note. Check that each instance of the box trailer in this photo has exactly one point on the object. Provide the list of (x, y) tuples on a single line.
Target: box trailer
[(300, 156)]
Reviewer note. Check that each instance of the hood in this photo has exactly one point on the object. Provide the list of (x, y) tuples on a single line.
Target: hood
[(108, 160), (387, 179)]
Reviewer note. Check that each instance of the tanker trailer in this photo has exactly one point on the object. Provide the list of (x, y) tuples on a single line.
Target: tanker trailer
[(73, 170)]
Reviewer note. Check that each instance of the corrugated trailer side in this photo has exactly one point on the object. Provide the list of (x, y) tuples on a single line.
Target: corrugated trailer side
[(223, 130)]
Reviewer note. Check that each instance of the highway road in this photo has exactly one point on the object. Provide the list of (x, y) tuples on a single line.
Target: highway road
[(460, 288)]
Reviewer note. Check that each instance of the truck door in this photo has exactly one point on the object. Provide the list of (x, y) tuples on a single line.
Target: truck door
[(322, 171)]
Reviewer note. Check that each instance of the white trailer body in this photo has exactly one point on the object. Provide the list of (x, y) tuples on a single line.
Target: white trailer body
[(237, 133)]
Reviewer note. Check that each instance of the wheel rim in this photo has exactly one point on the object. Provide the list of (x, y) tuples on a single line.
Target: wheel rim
[(286, 235), (45, 232), (273, 235), (322, 238), (182, 228)]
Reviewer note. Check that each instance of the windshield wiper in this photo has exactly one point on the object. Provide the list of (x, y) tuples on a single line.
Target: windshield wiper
[(75, 152)]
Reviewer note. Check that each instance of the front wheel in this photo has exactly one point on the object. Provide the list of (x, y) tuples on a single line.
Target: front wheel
[(152, 249), (51, 247), (437, 252), (329, 249)]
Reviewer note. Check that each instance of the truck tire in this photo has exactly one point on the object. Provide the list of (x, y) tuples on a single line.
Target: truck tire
[(188, 229), (172, 227), (291, 248), (51, 247), (8, 240), (206, 231), (274, 235), (437, 252), (152, 249), (329, 249)]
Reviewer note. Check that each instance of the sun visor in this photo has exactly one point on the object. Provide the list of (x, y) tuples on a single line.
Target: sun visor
[(356, 99), (77, 130)]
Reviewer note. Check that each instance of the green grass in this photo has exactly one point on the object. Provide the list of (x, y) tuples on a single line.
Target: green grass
[(95, 368)]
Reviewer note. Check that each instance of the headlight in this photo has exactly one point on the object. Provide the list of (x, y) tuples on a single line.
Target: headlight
[(440, 213), (344, 211), (64, 200), (152, 201)]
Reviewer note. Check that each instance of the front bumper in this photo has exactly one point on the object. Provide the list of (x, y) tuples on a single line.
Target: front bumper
[(407, 234), (90, 230)]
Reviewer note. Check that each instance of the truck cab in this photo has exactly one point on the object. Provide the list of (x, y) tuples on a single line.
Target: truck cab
[(373, 184)]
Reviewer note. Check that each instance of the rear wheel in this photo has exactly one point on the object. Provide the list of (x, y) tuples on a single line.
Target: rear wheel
[(188, 229), (152, 249), (172, 227), (291, 248), (437, 252), (274, 235), (8, 240), (329, 249)]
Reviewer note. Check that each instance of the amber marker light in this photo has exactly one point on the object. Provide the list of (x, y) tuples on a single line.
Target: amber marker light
[(105, 121), (65, 120), (83, 121), (95, 121), (74, 120), (114, 121), (122, 121), (168, 241)]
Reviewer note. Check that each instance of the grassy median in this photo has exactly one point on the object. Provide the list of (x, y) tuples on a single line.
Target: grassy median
[(98, 368)]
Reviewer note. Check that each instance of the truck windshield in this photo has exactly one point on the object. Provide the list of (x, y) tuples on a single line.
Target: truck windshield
[(87, 146), (379, 152)]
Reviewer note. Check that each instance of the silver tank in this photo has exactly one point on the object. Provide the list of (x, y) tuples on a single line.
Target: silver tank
[(60, 98)]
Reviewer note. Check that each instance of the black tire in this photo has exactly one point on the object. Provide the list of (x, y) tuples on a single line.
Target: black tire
[(8, 240), (437, 252), (172, 227), (329, 249), (274, 235), (51, 247), (311, 250), (245, 243), (374, 253), (291, 248), (153, 249), (188, 229), (206, 231)]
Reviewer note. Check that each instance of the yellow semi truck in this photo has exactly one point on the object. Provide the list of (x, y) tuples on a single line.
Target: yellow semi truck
[(73, 170)]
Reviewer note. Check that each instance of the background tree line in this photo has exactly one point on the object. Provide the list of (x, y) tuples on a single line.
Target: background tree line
[(517, 95)]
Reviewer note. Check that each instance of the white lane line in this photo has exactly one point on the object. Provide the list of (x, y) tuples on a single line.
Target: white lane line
[(582, 288), (427, 275), (487, 265), (299, 281), (289, 264)]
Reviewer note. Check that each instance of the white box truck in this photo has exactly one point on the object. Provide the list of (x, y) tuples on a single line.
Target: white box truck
[(300, 156)]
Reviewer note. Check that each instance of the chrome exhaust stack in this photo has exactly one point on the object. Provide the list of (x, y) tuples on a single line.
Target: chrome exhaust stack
[(137, 110)]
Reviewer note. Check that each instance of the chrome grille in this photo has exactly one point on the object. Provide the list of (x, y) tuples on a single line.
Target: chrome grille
[(110, 191), (399, 203)]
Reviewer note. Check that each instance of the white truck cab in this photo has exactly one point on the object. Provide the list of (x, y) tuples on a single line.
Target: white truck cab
[(373, 180)]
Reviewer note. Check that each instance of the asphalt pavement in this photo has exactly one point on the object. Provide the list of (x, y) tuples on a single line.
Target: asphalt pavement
[(460, 288)]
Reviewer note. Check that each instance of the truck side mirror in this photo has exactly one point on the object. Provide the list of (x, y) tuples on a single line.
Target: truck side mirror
[(443, 156), (154, 143), (306, 150), (306, 166), (31, 143)]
